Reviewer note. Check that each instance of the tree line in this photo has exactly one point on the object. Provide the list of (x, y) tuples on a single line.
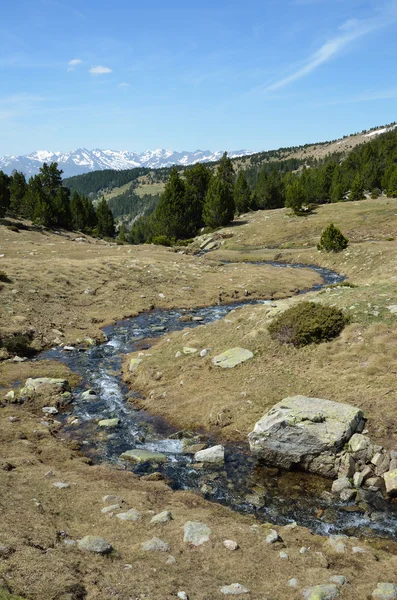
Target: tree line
[(45, 200)]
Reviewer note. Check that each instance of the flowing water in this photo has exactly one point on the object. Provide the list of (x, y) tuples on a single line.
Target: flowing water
[(242, 483)]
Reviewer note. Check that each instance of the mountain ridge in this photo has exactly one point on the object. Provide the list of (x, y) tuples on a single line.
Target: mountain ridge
[(81, 160)]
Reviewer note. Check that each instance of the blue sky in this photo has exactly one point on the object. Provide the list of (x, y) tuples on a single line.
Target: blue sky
[(258, 74)]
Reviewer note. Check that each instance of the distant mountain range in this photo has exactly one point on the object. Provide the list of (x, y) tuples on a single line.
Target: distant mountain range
[(82, 160)]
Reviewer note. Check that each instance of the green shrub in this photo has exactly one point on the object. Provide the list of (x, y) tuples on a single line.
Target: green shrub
[(307, 323), (332, 239), (18, 344), (162, 240)]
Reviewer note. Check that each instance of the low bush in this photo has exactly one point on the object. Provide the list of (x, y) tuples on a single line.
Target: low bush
[(18, 344), (4, 277), (162, 240), (332, 240), (307, 323)]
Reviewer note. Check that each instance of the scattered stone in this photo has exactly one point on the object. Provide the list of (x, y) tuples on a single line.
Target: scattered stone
[(110, 508), (391, 482), (231, 545), (304, 431), (61, 485), (203, 352), (215, 454), (60, 385), (139, 456), (340, 484), (234, 589), (385, 591), (109, 423), (89, 395), (182, 596), (347, 466), (49, 474), (134, 364), (360, 446), (337, 543), (94, 543), (155, 545), (162, 517), (303, 550), (196, 533), (13, 419), (49, 410), (112, 499), (358, 479), (293, 583), (189, 350), (338, 579), (232, 357), (10, 396), (130, 515), (178, 354), (358, 550), (68, 348), (171, 560), (272, 537), (321, 592), (283, 555), (347, 495)]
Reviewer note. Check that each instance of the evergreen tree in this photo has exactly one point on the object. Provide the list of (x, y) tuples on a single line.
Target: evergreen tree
[(77, 212), (219, 204), (242, 194), (18, 188), (225, 170), (105, 221), (332, 239), (295, 196), (89, 213), (197, 180), (4, 193), (357, 188), (171, 217)]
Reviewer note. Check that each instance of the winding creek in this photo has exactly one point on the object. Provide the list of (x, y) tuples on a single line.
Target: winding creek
[(242, 483)]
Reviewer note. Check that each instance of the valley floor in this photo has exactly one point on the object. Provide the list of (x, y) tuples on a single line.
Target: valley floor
[(63, 289)]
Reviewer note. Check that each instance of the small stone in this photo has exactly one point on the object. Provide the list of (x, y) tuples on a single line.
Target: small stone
[(68, 348), (203, 352), (337, 543), (338, 579), (130, 515), (347, 495), (196, 533), (358, 550), (321, 592), (230, 545), (303, 550), (110, 509), (171, 560), (94, 543), (61, 485), (283, 555), (49, 474), (5, 551), (182, 596), (358, 479), (49, 410), (340, 484), (385, 591), (391, 482), (134, 364), (109, 498), (231, 358), (272, 537), (10, 396), (189, 350), (155, 545), (178, 354), (234, 589), (162, 517), (139, 456), (109, 423), (13, 419), (215, 455), (293, 583), (89, 395)]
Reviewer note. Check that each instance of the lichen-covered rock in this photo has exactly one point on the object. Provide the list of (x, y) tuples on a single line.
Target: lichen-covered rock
[(232, 357), (96, 544), (234, 589), (134, 364), (385, 591), (390, 479), (340, 484), (305, 432), (196, 533), (162, 517), (321, 592), (140, 456), (60, 385), (108, 423), (215, 455), (130, 515), (155, 545)]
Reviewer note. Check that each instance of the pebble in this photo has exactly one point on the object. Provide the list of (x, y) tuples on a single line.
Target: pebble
[(293, 583), (303, 550), (49, 410), (338, 579), (230, 545), (183, 596), (130, 515), (109, 498), (272, 537), (61, 485), (321, 592), (94, 543), (155, 545), (203, 352), (171, 560), (234, 589), (337, 543), (196, 533), (162, 517), (109, 509), (358, 550), (13, 419), (284, 555)]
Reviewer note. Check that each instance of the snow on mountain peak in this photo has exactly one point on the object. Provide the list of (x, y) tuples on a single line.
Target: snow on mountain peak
[(81, 160)]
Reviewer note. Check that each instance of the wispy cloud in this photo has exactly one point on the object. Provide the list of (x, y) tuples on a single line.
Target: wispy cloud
[(349, 32), (72, 64), (100, 70), (124, 85)]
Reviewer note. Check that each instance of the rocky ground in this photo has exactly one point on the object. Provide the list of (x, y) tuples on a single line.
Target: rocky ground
[(53, 498)]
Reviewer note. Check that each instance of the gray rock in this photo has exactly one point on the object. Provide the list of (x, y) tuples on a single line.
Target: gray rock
[(340, 484), (155, 545), (337, 543), (49, 410), (134, 364), (59, 385), (171, 560), (234, 589), (230, 545), (61, 485), (283, 555), (358, 479), (293, 583), (109, 509), (358, 550), (347, 466), (347, 495), (94, 543), (304, 431), (196, 533), (130, 515), (10, 396), (140, 456), (361, 448), (162, 517), (390, 479), (108, 423), (385, 591), (321, 592), (110, 498), (182, 596), (189, 350), (338, 579), (232, 357), (215, 454), (272, 537), (89, 395), (374, 482)]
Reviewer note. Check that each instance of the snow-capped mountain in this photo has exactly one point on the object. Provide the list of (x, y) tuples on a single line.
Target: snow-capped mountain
[(82, 160)]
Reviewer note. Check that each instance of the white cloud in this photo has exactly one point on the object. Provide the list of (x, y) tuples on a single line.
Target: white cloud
[(351, 30), (72, 64), (100, 70), (124, 85)]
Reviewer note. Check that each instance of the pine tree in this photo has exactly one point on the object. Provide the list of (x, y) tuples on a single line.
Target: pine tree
[(295, 196), (105, 221), (77, 212), (197, 180), (357, 188), (171, 216), (18, 188), (219, 204), (242, 194), (4, 193), (332, 239)]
